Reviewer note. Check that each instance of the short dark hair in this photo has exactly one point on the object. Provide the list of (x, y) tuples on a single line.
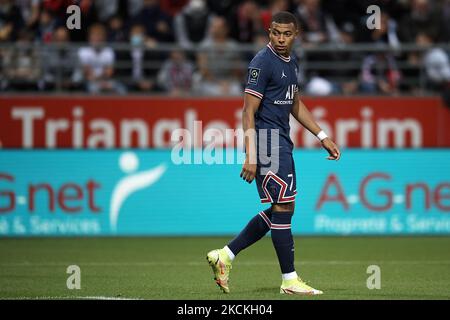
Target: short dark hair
[(285, 17)]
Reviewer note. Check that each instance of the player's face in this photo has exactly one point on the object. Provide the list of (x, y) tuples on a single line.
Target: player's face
[(282, 37)]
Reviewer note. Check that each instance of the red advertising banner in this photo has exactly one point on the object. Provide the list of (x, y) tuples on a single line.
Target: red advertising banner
[(140, 122)]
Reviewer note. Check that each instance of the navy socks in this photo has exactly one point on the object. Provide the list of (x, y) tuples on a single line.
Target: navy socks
[(257, 227), (282, 240)]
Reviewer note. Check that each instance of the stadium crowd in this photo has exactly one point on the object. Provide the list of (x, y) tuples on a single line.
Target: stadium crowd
[(205, 40)]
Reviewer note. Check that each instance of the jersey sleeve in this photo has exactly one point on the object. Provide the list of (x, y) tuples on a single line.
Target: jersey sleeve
[(297, 77), (258, 76)]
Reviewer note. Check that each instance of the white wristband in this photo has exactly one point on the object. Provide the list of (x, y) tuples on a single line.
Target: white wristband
[(322, 135)]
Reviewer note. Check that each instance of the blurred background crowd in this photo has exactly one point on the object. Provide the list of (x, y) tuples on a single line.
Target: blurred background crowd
[(203, 47)]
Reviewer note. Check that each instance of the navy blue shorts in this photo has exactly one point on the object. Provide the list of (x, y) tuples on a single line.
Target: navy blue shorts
[(277, 185)]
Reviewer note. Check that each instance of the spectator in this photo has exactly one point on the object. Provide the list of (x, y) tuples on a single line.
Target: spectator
[(10, 20), (56, 6), (313, 22), (274, 7), (192, 23), (31, 10), (172, 7), (139, 62), (386, 34), (435, 62), (379, 74), (346, 37), (97, 63), (437, 67), (116, 29), (58, 62), (21, 64), (346, 11), (134, 7), (107, 9), (316, 28), (445, 18), (46, 27), (336, 23), (158, 24), (128, 8), (175, 75), (246, 22), (318, 86), (219, 63), (423, 17), (221, 8)]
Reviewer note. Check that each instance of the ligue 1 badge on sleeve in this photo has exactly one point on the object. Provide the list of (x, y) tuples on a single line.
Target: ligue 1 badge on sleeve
[(253, 75)]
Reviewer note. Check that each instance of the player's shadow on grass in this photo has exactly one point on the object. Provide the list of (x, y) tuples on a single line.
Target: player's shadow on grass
[(269, 291), (264, 291)]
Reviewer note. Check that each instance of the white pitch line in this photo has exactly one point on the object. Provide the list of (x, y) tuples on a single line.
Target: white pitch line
[(69, 298), (197, 263)]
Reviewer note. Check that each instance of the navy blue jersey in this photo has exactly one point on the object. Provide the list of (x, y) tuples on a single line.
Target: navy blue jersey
[(273, 79)]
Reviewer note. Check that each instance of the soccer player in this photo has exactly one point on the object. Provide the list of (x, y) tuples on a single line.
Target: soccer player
[(271, 96)]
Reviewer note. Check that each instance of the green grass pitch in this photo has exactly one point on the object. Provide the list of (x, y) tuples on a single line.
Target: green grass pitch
[(176, 268)]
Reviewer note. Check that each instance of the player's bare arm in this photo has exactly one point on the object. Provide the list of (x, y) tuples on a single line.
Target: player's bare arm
[(302, 115), (251, 105)]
